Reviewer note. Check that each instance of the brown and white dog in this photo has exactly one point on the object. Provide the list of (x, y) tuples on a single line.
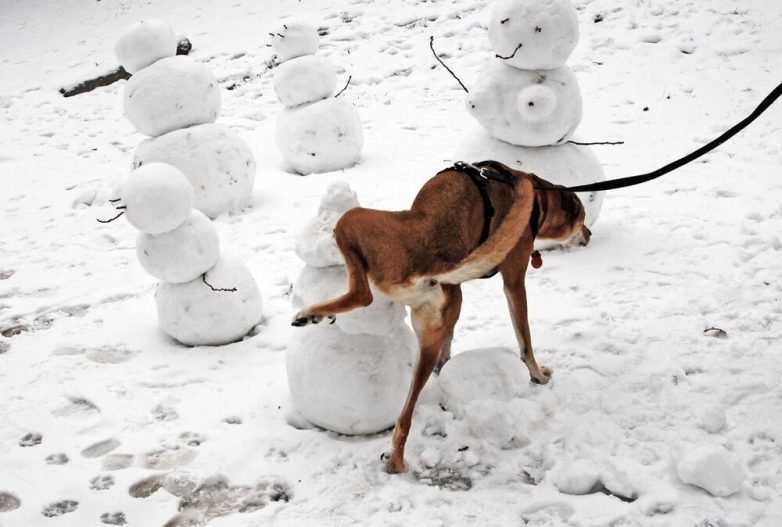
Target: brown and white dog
[(420, 256)]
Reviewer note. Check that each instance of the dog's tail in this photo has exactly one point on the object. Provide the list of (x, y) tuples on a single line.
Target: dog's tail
[(493, 251)]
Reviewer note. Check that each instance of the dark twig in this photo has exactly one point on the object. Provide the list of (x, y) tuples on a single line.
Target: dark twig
[(203, 278), (431, 46), (511, 55), (345, 88), (597, 143), (115, 200), (112, 219)]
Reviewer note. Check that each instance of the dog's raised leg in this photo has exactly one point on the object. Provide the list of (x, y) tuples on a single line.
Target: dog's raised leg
[(514, 270), (433, 322)]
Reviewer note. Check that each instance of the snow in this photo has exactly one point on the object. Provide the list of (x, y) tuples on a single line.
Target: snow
[(304, 79), (711, 468), (182, 254), (157, 198), (172, 93), (218, 308), (143, 43), (621, 322), (215, 159), (292, 37)]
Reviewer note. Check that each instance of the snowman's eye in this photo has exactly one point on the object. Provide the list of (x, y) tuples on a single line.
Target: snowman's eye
[(538, 29), (531, 103)]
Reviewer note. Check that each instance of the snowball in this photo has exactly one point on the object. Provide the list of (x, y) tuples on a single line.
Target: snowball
[(712, 469), (157, 198), (315, 243), (566, 164), (317, 284), (143, 43), (172, 93), (304, 79), (577, 477), (216, 161), (527, 108), (546, 29), (713, 419), (320, 137), (183, 254), (294, 38), (196, 315), (496, 374), (351, 384)]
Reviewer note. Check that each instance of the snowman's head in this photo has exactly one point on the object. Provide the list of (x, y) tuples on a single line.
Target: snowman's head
[(293, 38)]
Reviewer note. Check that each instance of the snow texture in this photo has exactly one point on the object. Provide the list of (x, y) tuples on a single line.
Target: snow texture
[(195, 314), (349, 383), (315, 242), (526, 107), (292, 38), (217, 162), (143, 43), (320, 137), (157, 198), (304, 79), (182, 254), (546, 30), (172, 93), (711, 468), (316, 284)]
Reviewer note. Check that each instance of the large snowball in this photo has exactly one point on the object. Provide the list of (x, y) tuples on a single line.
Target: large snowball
[(711, 468), (183, 254), (315, 242), (527, 108), (293, 38), (143, 43), (320, 137), (195, 314), (304, 79), (216, 161), (172, 93), (566, 164), (317, 284), (157, 198), (351, 384), (547, 31)]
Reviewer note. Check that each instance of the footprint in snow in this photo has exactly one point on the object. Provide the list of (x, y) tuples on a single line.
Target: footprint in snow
[(4, 346), (101, 483), (109, 355), (164, 413), (444, 477), (59, 508), (57, 459), (101, 448), (31, 439), (9, 502), (113, 518), (166, 459), (117, 461), (146, 487)]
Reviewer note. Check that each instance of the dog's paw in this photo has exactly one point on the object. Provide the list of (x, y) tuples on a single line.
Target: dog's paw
[(394, 465), (303, 319), (543, 377)]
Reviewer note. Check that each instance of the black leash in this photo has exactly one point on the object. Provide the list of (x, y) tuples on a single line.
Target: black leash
[(612, 184)]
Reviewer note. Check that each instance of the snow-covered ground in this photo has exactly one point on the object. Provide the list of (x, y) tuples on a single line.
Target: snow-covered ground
[(99, 408)]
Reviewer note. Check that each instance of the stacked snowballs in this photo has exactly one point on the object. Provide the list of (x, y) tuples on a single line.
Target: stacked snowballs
[(204, 298), (351, 376), (528, 102), (316, 132)]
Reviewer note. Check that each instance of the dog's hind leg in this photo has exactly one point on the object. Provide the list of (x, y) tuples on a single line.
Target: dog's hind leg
[(514, 270), (433, 322), (455, 307)]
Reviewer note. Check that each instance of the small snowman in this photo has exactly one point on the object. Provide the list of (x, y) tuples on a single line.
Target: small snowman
[(316, 132), (204, 297), (351, 376), (528, 102)]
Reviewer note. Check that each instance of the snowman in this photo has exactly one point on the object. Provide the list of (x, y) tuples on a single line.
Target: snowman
[(316, 132), (350, 376), (204, 297), (528, 102)]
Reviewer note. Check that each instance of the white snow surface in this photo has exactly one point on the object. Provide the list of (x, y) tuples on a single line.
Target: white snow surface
[(157, 198), (322, 136), (172, 93), (293, 37), (526, 107), (84, 364), (304, 79), (216, 160), (143, 43), (711, 468)]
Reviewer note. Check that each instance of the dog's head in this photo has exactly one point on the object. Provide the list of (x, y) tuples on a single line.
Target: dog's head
[(561, 215)]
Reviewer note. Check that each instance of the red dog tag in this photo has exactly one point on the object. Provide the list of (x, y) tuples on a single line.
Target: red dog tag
[(537, 260)]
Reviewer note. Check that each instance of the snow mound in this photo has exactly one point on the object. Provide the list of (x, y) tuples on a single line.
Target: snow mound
[(320, 137), (172, 93), (316, 284), (712, 469), (293, 38), (528, 108), (197, 315), (304, 79), (217, 162), (182, 254), (351, 384), (157, 197), (143, 43), (315, 243), (546, 30)]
